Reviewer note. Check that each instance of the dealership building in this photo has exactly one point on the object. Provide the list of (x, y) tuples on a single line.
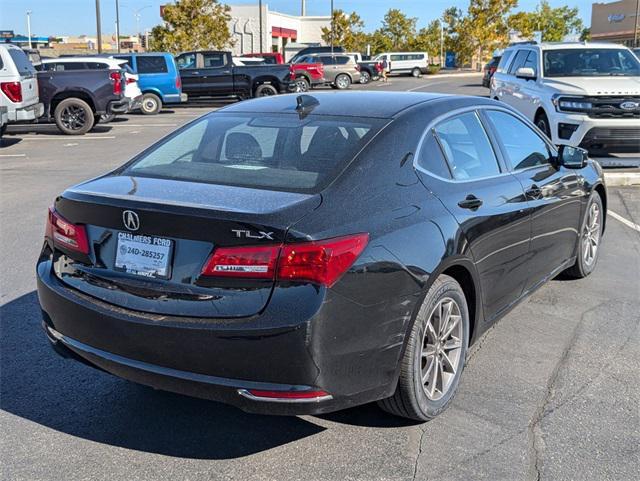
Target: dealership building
[(279, 30), (616, 22)]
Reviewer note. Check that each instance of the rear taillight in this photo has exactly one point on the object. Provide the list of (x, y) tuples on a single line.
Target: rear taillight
[(178, 82), (244, 262), (116, 77), (13, 91), (321, 262), (65, 234), (130, 80)]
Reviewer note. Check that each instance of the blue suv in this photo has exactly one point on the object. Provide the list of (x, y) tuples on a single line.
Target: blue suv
[(159, 79)]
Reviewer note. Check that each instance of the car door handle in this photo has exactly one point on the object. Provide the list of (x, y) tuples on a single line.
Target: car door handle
[(470, 202), (534, 192)]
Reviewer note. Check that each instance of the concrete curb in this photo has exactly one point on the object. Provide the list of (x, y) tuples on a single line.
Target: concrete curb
[(620, 179)]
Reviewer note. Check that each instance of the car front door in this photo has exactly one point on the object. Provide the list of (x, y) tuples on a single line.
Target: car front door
[(554, 194), (190, 73), (487, 202), (516, 94)]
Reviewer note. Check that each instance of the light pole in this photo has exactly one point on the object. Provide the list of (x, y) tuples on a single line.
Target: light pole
[(331, 26), (137, 15), (635, 31), (441, 44), (260, 20), (98, 28), (29, 26), (117, 26)]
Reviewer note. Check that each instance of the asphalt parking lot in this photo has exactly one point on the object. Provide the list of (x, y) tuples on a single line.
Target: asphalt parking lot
[(551, 392)]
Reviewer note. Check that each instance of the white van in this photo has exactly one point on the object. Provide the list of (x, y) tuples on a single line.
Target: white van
[(18, 85), (414, 63)]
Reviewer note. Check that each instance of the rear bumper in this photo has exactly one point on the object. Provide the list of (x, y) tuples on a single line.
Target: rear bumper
[(135, 103), (31, 112), (286, 348), (118, 106), (174, 98)]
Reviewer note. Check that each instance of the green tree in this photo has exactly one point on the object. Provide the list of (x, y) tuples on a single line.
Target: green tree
[(487, 25), (428, 39), (554, 23), (399, 28), (378, 41), (193, 25), (347, 31)]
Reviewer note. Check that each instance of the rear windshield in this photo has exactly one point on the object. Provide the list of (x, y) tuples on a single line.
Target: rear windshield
[(591, 62), (267, 151), (23, 64)]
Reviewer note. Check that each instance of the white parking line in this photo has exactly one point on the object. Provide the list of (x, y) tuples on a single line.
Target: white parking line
[(13, 155), (55, 137), (138, 125), (626, 222), (425, 86)]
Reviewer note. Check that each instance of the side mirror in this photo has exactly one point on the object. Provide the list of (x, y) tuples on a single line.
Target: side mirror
[(572, 157), (526, 73)]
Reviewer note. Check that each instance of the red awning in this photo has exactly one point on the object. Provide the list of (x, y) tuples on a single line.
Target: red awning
[(283, 32)]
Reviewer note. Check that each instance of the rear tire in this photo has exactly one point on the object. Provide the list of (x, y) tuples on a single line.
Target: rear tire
[(416, 72), (265, 90), (436, 351), (151, 104), (588, 249), (302, 85), (73, 116), (342, 81)]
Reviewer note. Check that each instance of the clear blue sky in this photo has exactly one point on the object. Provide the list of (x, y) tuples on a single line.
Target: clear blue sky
[(75, 17)]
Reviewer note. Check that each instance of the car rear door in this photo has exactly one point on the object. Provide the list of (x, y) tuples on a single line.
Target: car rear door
[(554, 194), (217, 73), (458, 163)]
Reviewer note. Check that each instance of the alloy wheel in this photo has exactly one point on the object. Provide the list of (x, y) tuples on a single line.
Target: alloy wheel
[(149, 104), (441, 348), (73, 117), (365, 77), (591, 235), (342, 82)]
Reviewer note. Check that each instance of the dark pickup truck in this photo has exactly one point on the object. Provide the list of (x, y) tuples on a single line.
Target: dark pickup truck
[(213, 74), (75, 99)]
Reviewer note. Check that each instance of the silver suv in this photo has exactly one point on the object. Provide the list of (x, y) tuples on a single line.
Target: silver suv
[(340, 70)]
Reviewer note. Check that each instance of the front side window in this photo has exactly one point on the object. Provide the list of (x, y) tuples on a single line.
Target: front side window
[(186, 61), (590, 62), (467, 147), (523, 146), (532, 62), (278, 152), (518, 61), (152, 64), (504, 61)]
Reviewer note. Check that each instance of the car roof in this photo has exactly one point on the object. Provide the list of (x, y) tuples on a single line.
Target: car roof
[(348, 104), (565, 45)]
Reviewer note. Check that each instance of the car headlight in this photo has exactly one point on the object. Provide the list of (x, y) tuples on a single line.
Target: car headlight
[(572, 105)]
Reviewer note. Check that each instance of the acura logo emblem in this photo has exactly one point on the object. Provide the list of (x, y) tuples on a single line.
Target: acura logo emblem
[(629, 105), (131, 220)]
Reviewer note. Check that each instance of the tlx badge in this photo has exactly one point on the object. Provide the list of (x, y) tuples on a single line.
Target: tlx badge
[(247, 234)]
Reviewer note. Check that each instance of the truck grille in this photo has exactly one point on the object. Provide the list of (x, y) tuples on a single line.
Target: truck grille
[(608, 107), (612, 140)]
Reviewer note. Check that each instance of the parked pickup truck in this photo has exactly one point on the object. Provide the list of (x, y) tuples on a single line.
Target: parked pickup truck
[(369, 70), (75, 99), (306, 74), (212, 74)]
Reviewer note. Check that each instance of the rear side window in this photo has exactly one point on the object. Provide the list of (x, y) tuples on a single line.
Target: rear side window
[(152, 64), (327, 60), (523, 146), (97, 65), (277, 152), (343, 60), (22, 62), (431, 157), (210, 60), (467, 147), (64, 66)]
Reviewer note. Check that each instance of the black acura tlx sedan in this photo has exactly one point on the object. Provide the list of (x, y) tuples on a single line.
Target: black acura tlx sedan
[(287, 256)]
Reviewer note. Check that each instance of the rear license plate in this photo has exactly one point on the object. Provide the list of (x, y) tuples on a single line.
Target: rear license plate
[(143, 255)]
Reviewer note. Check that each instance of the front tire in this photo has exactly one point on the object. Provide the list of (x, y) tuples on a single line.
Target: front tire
[(588, 249), (151, 104), (73, 117), (435, 355), (542, 122), (365, 77), (343, 81)]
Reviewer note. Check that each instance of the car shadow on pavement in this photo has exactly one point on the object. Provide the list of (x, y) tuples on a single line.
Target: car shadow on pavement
[(9, 141), (38, 385)]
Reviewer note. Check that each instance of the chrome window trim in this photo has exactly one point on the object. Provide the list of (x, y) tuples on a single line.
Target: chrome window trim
[(476, 109)]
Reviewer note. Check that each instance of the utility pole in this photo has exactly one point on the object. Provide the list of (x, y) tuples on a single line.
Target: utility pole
[(29, 26), (117, 26), (303, 10), (331, 26), (98, 29), (260, 20), (635, 32), (441, 44)]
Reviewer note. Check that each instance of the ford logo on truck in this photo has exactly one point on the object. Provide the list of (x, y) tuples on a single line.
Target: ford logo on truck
[(629, 105)]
